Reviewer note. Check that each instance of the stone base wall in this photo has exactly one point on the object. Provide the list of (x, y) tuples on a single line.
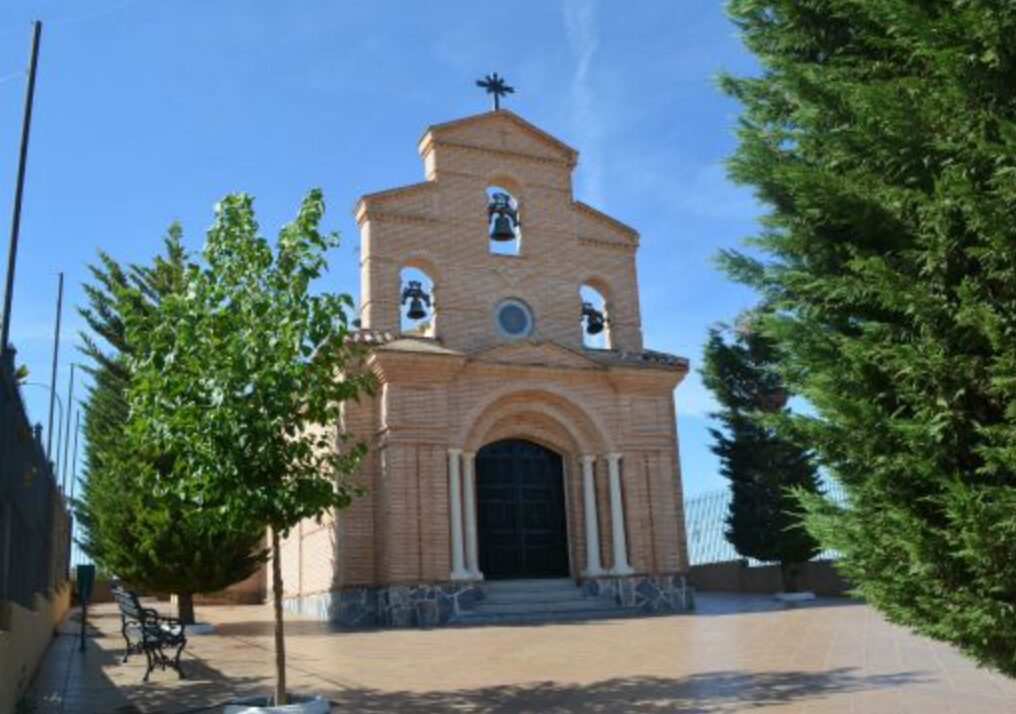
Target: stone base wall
[(645, 593), (433, 605), (397, 606)]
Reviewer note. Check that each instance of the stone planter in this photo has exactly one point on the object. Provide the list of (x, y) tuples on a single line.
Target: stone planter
[(298, 704)]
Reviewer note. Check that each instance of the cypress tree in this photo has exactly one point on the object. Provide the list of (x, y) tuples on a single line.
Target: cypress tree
[(160, 544), (764, 468), (882, 136)]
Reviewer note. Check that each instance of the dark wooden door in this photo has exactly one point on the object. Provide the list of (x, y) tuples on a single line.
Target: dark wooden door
[(521, 525)]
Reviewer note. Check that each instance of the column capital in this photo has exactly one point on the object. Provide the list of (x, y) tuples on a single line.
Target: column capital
[(468, 455), (454, 452), (613, 456), (588, 458)]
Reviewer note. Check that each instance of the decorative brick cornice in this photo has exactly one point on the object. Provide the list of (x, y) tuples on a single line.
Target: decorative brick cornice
[(491, 151), (362, 206), (530, 185), (603, 243), (379, 216)]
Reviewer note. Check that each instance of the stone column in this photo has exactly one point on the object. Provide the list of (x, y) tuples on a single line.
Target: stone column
[(593, 566), (455, 514), (469, 503), (620, 543)]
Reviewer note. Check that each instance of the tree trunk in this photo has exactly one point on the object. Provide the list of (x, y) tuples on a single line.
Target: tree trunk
[(788, 574), (280, 644), (185, 608)]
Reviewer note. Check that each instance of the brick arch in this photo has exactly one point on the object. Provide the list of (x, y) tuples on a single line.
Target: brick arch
[(507, 181), (423, 261), (600, 285), (533, 423), (576, 428)]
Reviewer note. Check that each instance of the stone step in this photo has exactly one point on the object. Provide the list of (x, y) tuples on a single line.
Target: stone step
[(530, 585), (486, 607), (470, 619), (533, 596)]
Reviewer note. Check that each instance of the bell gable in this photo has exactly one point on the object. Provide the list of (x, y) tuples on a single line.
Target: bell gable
[(495, 181)]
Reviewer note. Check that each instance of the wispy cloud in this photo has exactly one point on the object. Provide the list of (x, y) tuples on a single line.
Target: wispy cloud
[(581, 34)]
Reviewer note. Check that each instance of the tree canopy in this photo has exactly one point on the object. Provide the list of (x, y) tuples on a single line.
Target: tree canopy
[(765, 469), (242, 375), (155, 542), (881, 134)]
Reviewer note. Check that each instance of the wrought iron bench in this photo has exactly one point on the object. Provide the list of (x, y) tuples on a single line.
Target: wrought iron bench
[(147, 632)]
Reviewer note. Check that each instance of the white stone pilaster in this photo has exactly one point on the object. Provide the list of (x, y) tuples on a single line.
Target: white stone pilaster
[(619, 540), (469, 503), (593, 566), (455, 514)]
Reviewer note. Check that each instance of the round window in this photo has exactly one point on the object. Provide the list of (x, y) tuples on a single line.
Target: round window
[(513, 318)]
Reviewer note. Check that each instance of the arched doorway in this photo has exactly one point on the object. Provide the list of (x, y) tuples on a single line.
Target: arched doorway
[(520, 511)]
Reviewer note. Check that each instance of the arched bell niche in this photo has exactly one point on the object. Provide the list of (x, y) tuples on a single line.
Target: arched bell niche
[(504, 224), (593, 320), (417, 312)]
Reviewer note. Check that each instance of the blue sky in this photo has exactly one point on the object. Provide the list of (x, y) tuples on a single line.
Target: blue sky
[(150, 110)]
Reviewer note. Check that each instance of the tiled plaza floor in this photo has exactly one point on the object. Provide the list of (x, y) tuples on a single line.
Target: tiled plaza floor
[(736, 654)]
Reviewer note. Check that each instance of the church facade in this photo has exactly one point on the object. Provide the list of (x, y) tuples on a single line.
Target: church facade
[(520, 431)]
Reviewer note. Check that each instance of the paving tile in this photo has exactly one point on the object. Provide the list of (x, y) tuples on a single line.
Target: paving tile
[(738, 654)]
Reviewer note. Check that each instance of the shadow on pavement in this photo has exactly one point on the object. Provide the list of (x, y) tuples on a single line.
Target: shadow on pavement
[(714, 603), (705, 693)]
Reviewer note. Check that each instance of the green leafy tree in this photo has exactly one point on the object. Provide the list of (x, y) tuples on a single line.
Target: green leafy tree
[(159, 543), (764, 468), (243, 373), (882, 136)]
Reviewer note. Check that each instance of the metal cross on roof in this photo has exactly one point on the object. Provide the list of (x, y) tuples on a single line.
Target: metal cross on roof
[(495, 85)]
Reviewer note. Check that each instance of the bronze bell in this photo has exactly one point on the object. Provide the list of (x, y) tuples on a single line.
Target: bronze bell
[(504, 228), (594, 319), (416, 311), (416, 296), (506, 217)]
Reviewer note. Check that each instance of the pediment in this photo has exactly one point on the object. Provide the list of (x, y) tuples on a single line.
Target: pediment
[(534, 353), (500, 130)]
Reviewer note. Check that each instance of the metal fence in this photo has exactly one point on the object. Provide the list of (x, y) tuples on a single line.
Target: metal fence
[(34, 520), (705, 518)]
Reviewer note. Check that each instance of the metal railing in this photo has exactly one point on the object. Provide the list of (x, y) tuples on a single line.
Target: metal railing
[(34, 521), (705, 518)]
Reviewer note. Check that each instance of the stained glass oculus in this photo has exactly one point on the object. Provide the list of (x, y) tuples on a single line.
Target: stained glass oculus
[(513, 318)]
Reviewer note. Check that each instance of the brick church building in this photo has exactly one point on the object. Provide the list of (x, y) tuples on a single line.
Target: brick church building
[(523, 450)]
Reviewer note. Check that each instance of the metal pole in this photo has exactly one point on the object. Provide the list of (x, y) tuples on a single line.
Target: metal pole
[(67, 431), (74, 468), (56, 451), (52, 380), (19, 186)]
